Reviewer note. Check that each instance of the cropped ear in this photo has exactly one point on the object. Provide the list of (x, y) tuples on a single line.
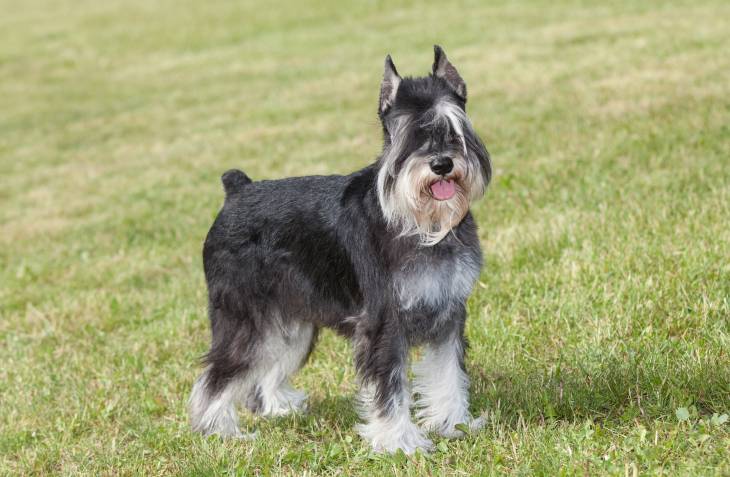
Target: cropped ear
[(389, 86), (442, 68)]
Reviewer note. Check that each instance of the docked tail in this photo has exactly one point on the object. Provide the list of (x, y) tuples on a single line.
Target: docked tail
[(234, 180)]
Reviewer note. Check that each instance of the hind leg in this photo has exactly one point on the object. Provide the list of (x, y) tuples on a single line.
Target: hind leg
[(225, 381), (249, 366), (212, 410), (284, 351), (237, 338)]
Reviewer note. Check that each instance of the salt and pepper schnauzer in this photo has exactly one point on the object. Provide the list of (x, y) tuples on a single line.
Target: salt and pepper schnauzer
[(386, 256)]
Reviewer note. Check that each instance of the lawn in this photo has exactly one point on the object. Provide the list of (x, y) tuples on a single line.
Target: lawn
[(599, 330)]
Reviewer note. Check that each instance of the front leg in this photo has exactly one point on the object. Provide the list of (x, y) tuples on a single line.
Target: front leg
[(381, 357), (442, 386)]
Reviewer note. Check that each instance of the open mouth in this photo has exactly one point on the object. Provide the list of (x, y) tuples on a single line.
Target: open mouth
[(443, 189)]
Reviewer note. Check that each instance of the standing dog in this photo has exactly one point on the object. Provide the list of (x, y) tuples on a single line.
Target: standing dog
[(386, 256)]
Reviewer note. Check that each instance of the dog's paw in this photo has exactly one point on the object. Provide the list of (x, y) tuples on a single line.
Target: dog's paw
[(245, 436), (454, 428), (286, 400), (232, 433), (408, 438)]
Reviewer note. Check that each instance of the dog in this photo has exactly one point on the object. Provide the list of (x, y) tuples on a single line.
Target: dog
[(385, 256)]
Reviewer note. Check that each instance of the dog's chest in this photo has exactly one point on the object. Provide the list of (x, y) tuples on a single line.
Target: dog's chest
[(433, 282)]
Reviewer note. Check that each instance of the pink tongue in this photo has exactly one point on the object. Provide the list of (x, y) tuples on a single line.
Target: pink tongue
[(443, 190)]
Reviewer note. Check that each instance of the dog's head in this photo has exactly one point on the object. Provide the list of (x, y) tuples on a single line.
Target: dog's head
[(433, 163)]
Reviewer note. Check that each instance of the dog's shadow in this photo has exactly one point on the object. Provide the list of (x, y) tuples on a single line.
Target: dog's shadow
[(340, 411), (615, 390), (539, 397)]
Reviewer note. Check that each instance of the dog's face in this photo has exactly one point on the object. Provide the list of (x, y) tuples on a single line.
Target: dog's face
[(433, 163)]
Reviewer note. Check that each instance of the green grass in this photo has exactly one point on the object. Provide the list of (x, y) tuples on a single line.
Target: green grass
[(600, 328)]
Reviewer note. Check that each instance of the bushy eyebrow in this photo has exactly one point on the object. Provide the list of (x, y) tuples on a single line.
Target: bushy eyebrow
[(453, 116)]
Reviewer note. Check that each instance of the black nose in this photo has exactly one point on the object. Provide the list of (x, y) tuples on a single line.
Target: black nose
[(442, 165)]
